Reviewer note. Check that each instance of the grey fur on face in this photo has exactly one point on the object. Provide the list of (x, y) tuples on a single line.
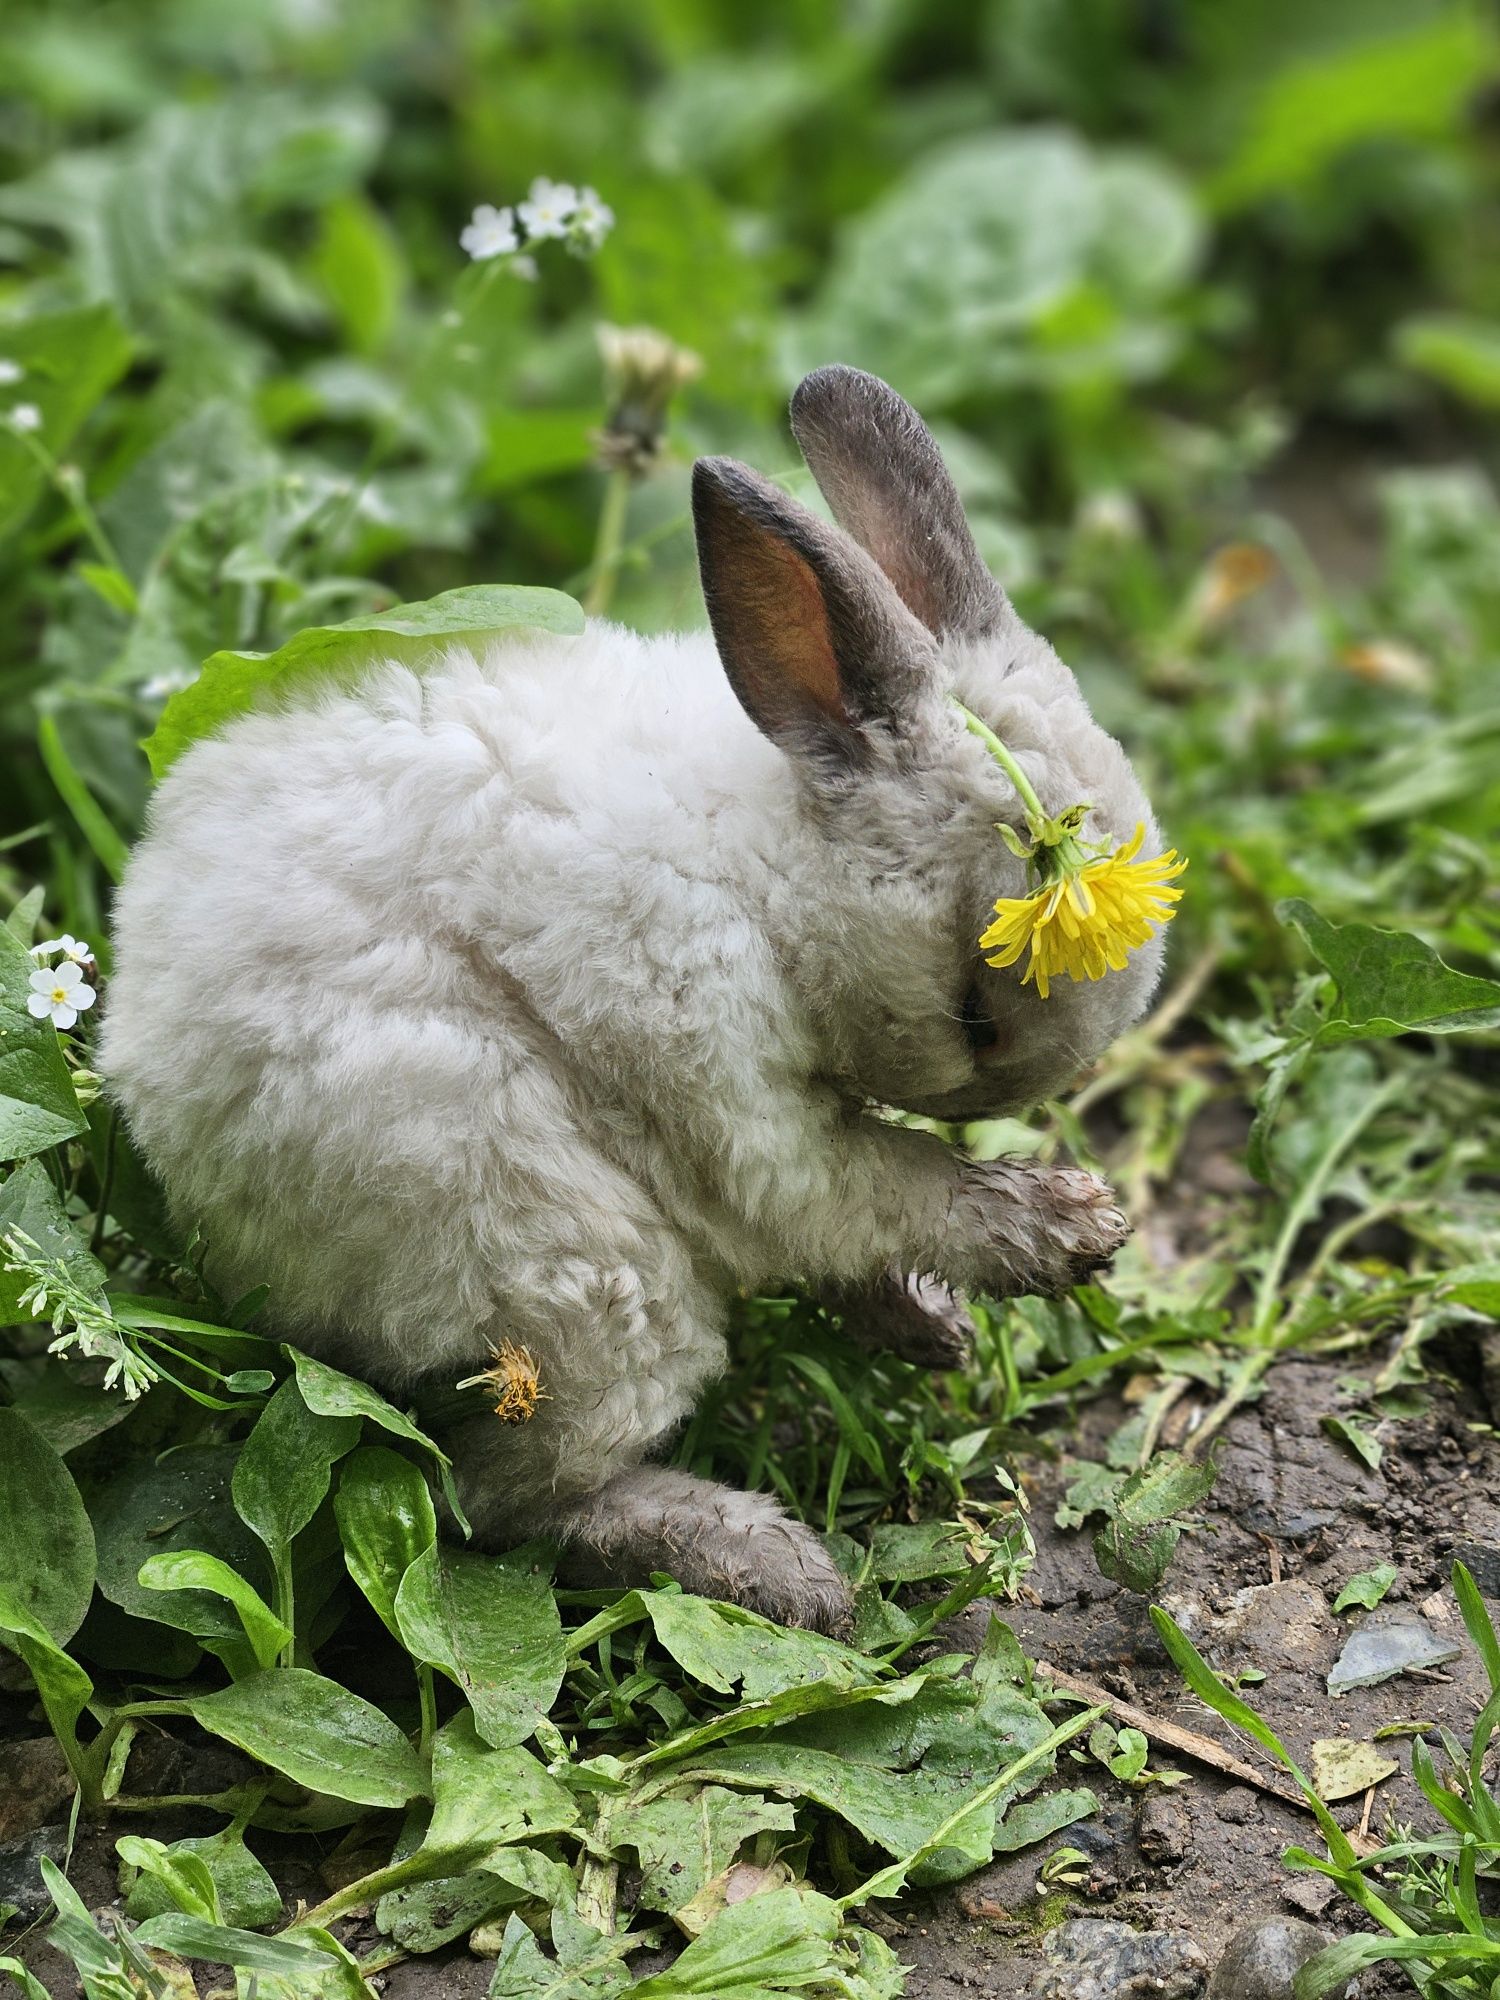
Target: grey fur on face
[(549, 996)]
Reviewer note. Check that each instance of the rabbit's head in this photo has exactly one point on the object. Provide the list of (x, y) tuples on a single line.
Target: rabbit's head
[(845, 645)]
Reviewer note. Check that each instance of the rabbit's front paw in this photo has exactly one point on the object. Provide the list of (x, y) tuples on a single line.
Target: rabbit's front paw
[(1038, 1230), (907, 1313)]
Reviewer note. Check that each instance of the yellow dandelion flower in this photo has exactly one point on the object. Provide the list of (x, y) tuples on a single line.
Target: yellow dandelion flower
[(1091, 908), (1083, 925), (513, 1381)]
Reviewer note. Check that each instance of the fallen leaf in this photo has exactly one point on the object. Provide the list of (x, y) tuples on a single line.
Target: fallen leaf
[(1343, 1767)]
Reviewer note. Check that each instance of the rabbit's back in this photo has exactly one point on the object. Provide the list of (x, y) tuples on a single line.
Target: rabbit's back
[(309, 1026)]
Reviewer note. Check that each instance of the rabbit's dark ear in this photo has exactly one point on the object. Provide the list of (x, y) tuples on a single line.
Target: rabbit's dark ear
[(885, 480), (817, 645)]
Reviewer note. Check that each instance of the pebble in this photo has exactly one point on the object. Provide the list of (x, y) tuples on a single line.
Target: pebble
[(1261, 1960), (1091, 1959)]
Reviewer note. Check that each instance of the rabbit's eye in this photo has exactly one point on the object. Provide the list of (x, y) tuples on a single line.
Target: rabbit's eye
[(980, 1031)]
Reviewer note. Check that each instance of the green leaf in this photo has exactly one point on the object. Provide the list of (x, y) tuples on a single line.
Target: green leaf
[(37, 1105), (587, 1966), (771, 1944), (27, 1980), (1390, 983), (386, 1521), (232, 683), (63, 1685), (490, 1624), (50, 1561), (485, 1798), (286, 1466), (1361, 1442), (331, 1393), (69, 359), (684, 1837), (192, 1569), (180, 1502), (180, 1876), (192, 1937), (1462, 353), (247, 1896), (318, 1733), (359, 267), (725, 1646), (1410, 83), (1136, 1544), (89, 816), (1367, 1588), (30, 1204)]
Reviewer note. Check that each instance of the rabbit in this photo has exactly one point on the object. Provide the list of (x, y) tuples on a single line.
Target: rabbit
[(554, 994)]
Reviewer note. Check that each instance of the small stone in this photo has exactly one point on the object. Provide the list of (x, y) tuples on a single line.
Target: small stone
[(35, 1785), (1239, 1805), (1091, 1959), (1162, 1827), (1386, 1645), (1311, 1894), (1261, 1961), (1482, 1561), (21, 1881)]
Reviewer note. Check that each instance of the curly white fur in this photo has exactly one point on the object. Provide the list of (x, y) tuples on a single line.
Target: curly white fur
[(541, 995)]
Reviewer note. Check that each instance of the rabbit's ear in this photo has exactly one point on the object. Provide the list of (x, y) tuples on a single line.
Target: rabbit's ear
[(885, 480), (817, 645)]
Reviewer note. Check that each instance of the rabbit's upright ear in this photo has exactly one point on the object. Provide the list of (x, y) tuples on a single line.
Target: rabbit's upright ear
[(884, 478), (822, 653)]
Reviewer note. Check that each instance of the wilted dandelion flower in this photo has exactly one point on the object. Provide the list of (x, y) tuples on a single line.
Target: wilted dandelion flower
[(59, 993), (491, 233), (643, 370), (24, 417), (512, 1379), (1093, 905)]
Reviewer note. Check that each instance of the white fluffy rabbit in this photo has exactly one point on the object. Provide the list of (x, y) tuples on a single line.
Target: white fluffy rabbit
[(545, 995)]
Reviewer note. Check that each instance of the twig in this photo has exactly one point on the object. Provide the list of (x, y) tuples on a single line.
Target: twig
[(1188, 1742)]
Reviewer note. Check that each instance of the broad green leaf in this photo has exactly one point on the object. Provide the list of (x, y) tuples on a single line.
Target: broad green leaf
[(63, 1685), (286, 1466), (27, 1980), (428, 1915), (180, 1502), (1462, 353), (772, 1944), (587, 1966), (58, 1402), (50, 1559), (318, 1733), (1390, 983), (232, 683), (1411, 82), (180, 1876), (193, 1937), (331, 1393), (247, 1896), (1136, 1544), (386, 1520), (896, 1774), (30, 1204), (1364, 1444), (725, 1646), (69, 360), (37, 1105), (1367, 1588), (686, 1836), (485, 1797), (192, 1569), (359, 266), (490, 1624)]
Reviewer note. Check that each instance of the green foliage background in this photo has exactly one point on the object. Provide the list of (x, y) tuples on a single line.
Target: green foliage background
[(1172, 280)]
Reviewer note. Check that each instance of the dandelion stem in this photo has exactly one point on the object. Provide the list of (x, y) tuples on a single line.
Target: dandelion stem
[(1003, 757), (608, 543)]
